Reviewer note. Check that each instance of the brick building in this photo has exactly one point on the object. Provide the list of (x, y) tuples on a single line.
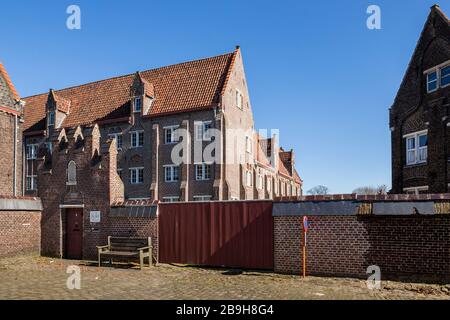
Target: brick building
[(11, 123), (419, 117), (154, 112)]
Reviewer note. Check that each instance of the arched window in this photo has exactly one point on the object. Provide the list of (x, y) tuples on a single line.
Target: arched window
[(72, 173)]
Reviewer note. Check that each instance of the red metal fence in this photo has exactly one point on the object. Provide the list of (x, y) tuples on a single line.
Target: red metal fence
[(232, 234)]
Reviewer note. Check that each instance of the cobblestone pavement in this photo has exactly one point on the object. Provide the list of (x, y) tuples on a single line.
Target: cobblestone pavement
[(45, 278)]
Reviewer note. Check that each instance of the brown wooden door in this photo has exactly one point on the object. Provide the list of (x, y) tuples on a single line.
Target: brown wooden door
[(74, 234)]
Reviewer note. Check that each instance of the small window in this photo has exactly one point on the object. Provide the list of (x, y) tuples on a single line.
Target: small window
[(137, 139), (202, 131), (171, 173), (118, 137), (49, 146), (445, 76), (71, 173), (51, 118), (32, 151), (248, 144), (249, 179), (416, 148), (239, 99), (432, 81), (260, 181), (137, 104), (170, 135), (268, 184), (136, 175), (202, 171), (202, 198), (31, 183), (171, 199)]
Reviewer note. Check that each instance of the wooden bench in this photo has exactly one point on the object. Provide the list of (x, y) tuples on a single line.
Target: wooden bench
[(126, 249)]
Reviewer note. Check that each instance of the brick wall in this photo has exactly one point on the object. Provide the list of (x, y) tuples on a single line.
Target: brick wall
[(347, 245), (134, 227), (20, 232)]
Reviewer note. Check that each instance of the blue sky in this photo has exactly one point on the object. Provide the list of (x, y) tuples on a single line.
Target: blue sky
[(314, 69)]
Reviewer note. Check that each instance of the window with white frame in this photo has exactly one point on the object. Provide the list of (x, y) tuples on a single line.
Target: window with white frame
[(32, 151), (260, 181), (416, 147), (248, 144), (416, 190), (432, 81), (203, 198), (445, 76), (171, 199), (118, 137), (268, 184), (137, 139), (31, 182), (239, 99), (171, 173), (202, 132), (438, 77), (202, 171), (136, 175), (170, 135), (137, 105), (249, 178), (51, 118)]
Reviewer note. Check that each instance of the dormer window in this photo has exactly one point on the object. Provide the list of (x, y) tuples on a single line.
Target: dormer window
[(51, 118), (137, 104)]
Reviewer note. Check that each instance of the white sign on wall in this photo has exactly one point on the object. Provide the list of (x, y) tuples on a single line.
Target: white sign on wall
[(95, 216)]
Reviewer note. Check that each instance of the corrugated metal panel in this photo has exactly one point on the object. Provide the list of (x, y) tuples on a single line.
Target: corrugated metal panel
[(233, 234)]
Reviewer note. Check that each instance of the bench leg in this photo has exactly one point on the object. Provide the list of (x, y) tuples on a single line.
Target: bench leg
[(141, 258)]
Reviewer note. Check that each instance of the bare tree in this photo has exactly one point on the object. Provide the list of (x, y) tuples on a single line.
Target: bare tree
[(319, 190), (370, 190)]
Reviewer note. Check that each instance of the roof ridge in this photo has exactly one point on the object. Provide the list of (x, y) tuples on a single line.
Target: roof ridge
[(132, 74)]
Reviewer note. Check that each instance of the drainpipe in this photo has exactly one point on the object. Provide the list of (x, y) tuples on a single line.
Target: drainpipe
[(15, 157)]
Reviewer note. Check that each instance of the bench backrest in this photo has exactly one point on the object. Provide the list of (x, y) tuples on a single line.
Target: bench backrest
[(128, 244)]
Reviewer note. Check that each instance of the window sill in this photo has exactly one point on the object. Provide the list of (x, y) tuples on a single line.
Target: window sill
[(413, 165)]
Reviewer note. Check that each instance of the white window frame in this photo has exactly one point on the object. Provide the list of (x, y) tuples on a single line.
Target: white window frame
[(136, 170), (201, 133), (417, 150), (171, 199), (248, 144), (203, 176), (429, 82), (268, 184), (136, 133), (72, 173), (416, 189), (33, 182), (438, 70), (239, 99), (116, 136), (51, 118), (174, 138), (260, 181), (202, 198), (249, 178), (171, 171), (135, 99), (34, 147)]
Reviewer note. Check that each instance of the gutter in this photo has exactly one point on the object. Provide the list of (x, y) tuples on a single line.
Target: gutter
[(15, 157)]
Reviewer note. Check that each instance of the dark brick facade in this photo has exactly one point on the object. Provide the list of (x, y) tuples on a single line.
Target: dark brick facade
[(416, 110), (97, 188), (347, 245)]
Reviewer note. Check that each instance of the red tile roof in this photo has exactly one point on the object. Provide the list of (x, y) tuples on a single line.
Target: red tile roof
[(187, 86), (9, 82)]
